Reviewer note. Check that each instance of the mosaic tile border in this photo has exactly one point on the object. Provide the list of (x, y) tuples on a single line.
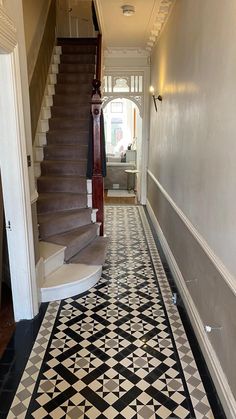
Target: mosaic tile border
[(25, 389)]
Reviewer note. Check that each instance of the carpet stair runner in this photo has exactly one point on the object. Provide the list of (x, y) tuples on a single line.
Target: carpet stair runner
[(63, 216)]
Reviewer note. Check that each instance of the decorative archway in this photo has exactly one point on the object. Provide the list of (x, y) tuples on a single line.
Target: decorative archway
[(125, 83), (128, 85)]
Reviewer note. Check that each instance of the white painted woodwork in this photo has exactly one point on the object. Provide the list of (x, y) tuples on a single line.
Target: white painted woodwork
[(53, 256), (16, 193), (69, 280), (14, 171)]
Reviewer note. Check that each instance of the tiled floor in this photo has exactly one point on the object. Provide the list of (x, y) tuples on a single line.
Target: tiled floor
[(120, 349)]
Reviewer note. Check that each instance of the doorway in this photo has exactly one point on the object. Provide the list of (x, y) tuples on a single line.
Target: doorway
[(15, 171), (123, 133), (7, 324)]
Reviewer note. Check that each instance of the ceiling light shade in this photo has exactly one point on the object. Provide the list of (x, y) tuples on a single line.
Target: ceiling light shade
[(128, 10)]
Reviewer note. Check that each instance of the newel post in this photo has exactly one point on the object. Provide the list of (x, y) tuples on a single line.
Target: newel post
[(97, 178)]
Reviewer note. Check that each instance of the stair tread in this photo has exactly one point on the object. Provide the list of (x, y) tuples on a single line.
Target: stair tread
[(51, 177), (73, 94), (63, 161), (60, 214), (69, 118), (75, 240), (77, 74), (62, 146), (91, 41), (61, 195), (93, 254), (75, 130)]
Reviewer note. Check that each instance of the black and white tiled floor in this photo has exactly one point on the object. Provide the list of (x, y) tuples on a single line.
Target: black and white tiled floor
[(120, 349)]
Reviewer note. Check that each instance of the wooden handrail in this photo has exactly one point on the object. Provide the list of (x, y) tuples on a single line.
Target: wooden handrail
[(99, 58), (97, 176)]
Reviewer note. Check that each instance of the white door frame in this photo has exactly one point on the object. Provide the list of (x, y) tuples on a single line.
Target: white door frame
[(15, 176)]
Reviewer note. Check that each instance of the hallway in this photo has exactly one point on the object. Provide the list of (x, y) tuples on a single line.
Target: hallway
[(116, 351)]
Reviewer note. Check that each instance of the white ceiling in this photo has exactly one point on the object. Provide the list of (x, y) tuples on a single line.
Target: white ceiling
[(121, 31)]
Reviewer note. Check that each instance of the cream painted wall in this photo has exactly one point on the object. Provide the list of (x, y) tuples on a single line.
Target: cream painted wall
[(35, 15), (16, 13), (193, 145)]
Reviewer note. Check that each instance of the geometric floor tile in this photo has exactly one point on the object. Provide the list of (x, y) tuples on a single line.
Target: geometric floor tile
[(119, 350)]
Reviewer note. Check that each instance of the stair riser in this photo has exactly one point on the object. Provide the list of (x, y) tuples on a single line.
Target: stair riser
[(76, 68), (65, 153), (65, 169), (78, 49), (78, 112), (67, 137), (66, 123), (78, 88), (53, 227), (75, 78), (55, 204), (64, 185), (73, 250), (62, 100), (54, 263), (77, 59)]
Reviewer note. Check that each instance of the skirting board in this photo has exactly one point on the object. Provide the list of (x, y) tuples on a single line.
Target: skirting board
[(224, 392)]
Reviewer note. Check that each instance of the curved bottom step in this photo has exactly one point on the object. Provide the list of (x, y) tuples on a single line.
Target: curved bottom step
[(69, 280)]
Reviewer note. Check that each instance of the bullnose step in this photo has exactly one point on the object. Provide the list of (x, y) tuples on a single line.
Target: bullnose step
[(56, 223), (69, 280), (49, 202)]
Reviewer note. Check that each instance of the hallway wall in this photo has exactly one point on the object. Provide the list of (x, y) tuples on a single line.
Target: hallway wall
[(35, 15), (192, 170)]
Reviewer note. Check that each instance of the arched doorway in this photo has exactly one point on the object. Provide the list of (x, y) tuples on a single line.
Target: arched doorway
[(123, 132), (131, 84)]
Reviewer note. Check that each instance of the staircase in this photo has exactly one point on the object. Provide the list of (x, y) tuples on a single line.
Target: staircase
[(70, 244)]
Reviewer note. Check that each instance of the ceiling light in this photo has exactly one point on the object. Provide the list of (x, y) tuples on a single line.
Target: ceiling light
[(128, 10)]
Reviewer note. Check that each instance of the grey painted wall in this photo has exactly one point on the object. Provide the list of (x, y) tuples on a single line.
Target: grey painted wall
[(192, 155)]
